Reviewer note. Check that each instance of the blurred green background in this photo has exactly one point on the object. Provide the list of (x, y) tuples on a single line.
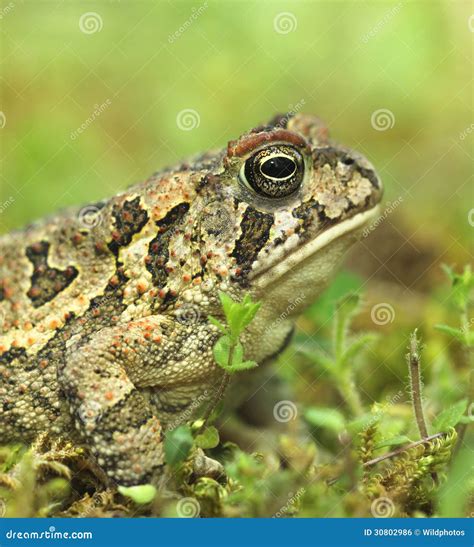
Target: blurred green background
[(236, 64), (139, 64), (124, 71)]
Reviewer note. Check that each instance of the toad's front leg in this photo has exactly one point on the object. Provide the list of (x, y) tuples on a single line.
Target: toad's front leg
[(107, 381)]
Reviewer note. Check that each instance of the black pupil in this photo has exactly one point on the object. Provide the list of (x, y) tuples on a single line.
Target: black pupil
[(279, 167)]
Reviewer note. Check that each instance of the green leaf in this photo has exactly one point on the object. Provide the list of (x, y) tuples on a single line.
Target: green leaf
[(449, 417), (244, 365), (345, 309), (221, 351), (328, 418), (178, 443), (320, 359), (209, 438), (217, 324), (226, 303), (456, 333), (355, 347), (393, 441), (141, 494), (363, 422)]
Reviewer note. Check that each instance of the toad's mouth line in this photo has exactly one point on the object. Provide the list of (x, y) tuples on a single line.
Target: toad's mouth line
[(352, 224)]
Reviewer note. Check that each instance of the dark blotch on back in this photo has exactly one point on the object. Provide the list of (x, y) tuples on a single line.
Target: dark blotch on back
[(255, 232), (46, 282), (158, 252), (129, 219)]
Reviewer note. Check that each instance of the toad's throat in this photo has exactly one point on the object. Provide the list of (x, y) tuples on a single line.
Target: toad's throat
[(264, 277)]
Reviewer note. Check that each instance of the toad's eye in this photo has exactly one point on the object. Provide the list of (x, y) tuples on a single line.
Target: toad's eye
[(275, 172)]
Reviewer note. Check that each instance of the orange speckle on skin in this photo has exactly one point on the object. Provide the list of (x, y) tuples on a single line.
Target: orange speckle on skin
[(157, 339), (142, 286), (53, 324), (109, 395), (186, 278)]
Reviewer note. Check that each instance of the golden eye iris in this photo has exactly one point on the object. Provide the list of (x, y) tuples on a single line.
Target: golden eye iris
[(276, 171)]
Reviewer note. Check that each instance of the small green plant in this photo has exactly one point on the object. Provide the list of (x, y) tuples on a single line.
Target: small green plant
[(462, 286), (338, 363), (228, 351)]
